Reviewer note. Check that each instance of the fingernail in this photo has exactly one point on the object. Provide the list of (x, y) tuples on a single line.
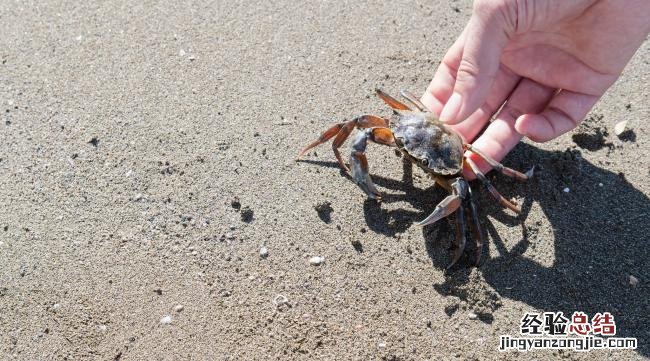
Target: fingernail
[(518, 126), (450, 110)]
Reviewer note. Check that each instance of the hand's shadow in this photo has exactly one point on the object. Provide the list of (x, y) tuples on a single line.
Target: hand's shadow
[(599, 237)]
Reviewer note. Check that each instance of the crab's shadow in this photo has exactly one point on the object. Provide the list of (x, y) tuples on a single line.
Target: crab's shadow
[(392, 222), (592, 239)]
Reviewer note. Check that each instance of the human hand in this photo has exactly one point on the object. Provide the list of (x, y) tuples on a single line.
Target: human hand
[(550, 59)]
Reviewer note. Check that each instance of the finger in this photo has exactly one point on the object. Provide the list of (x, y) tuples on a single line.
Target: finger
[(486, 37), (442, 84), (504, 83), (558, 68), (565, 111), (501, 136)]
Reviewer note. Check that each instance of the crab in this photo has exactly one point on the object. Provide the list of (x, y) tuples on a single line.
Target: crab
[(435, 148)]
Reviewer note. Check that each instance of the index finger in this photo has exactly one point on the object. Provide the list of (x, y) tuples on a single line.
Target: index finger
[(442, 84)]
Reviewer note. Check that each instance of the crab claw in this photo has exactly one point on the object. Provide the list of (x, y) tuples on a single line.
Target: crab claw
[(359, 170), (443, 209), (367, 186)]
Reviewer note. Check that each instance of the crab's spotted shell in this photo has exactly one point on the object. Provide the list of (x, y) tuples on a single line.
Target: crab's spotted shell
[(434, 147)]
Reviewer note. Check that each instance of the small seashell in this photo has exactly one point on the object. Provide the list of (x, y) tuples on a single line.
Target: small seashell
[(166, 320), (225, 292), (264, 252), (280, 300), (620, 128), (316, 260), (633, 281)]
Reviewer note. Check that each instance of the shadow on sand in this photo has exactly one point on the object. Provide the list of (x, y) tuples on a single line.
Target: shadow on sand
[(600, 238)]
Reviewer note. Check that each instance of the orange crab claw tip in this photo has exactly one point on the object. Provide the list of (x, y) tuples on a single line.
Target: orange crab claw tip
[(301, 154)]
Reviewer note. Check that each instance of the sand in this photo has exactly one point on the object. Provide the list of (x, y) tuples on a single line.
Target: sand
[(147, 155)]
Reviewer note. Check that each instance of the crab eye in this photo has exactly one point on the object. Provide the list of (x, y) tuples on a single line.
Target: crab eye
[(424, 161)]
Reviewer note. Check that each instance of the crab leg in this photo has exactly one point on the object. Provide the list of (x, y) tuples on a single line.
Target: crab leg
[(342, 132), (358, 159), (459, 247), (452, 203), (500, 167), (475, 224), (407, 169), (486, 183), (392, 102), (448, 205), (413, 100)]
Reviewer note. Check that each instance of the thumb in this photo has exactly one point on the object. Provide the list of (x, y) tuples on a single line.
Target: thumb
[(488, 32)]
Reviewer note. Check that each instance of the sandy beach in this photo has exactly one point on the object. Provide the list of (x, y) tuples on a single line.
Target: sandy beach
[(151, 207)]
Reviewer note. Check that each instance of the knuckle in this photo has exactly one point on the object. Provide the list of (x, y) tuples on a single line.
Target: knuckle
[(468, 71), (567, 118), (471, 73), (511, 112)]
